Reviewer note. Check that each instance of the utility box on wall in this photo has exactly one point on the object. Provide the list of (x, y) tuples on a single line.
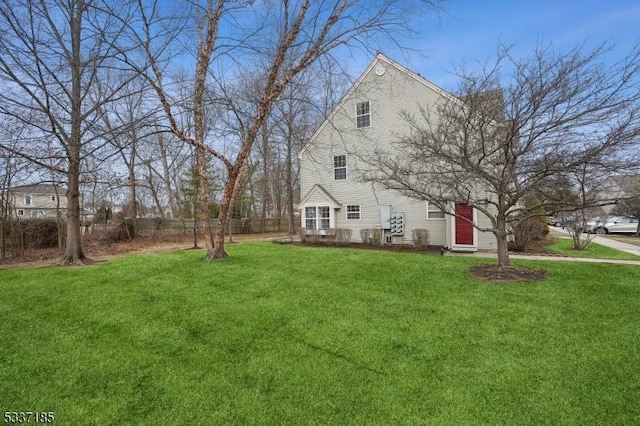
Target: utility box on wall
[(385, 217), (397, 224)]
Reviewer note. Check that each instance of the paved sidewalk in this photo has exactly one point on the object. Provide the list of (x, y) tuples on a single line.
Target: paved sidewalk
[(609, 242), (549, 258), (600, 239), (618, 245)]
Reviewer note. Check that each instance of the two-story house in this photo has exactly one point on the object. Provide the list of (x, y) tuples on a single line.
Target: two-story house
[(38, 201), (369, 118)]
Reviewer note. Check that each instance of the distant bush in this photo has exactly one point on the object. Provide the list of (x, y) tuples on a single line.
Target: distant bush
[(525, 231), (124, 230), (376, 236), (420, 238), (312, 235), (343, 235), (35, 233)]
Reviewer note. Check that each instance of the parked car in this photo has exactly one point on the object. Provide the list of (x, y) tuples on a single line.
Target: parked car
[(627, 225), (553, 221), (596, 225), (560, 221)]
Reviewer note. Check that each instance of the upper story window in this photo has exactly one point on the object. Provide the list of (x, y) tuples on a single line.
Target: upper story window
[(363, 114), (339, 167), (53, 198), (433, 212), (27, 200)]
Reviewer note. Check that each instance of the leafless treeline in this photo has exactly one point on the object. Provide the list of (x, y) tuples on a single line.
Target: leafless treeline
[(125, 102)]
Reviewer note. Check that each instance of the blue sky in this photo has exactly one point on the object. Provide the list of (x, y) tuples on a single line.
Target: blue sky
[(469, 30)]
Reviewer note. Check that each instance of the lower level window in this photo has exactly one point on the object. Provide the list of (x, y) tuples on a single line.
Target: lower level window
[(317, 218), (353, 212), (433, 212)]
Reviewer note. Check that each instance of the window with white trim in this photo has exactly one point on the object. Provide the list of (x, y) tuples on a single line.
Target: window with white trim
[(339, 167), (353, 212), (317, 217), (27, 200), (20, 212), (434, 213), (363, 114), (53, 198)]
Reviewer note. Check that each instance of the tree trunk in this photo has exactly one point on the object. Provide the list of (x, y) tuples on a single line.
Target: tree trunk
[(226, 211), (203, 195), (218, 251), (73, 253), (154, 191), (58, 219), (231, 191), (166, 177), (133, 197), (501, 239), (289, 180), (265, 176), (2, 240)]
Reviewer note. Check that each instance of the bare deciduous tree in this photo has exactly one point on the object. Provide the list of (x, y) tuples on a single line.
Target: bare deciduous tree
[(12, 168), (52, 57), (514, 126), (281, 40)]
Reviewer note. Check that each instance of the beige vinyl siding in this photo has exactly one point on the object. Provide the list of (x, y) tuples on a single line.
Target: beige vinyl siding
[(40, 201), (486, 240), (390, 94)]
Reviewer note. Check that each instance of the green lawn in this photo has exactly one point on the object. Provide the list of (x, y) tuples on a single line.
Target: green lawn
[(594, 250), (290, 335)]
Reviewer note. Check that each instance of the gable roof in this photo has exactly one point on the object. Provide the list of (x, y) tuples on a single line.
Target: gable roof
[(38, 188), (389, 62), (629, 184), (317, 188)]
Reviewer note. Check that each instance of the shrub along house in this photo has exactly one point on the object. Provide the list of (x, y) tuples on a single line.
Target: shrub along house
[(368, 118)]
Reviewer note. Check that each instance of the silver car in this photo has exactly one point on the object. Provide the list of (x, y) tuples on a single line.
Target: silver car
[(627, 225), (596, 225)]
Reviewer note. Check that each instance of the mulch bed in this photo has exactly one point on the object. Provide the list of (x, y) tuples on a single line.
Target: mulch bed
[(506, 274), (407, 248)]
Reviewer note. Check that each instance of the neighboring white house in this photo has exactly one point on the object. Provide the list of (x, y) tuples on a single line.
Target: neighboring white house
[(38, 201), (369, 118)]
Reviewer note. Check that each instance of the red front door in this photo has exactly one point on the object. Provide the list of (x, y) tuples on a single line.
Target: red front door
[(464, 227)]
